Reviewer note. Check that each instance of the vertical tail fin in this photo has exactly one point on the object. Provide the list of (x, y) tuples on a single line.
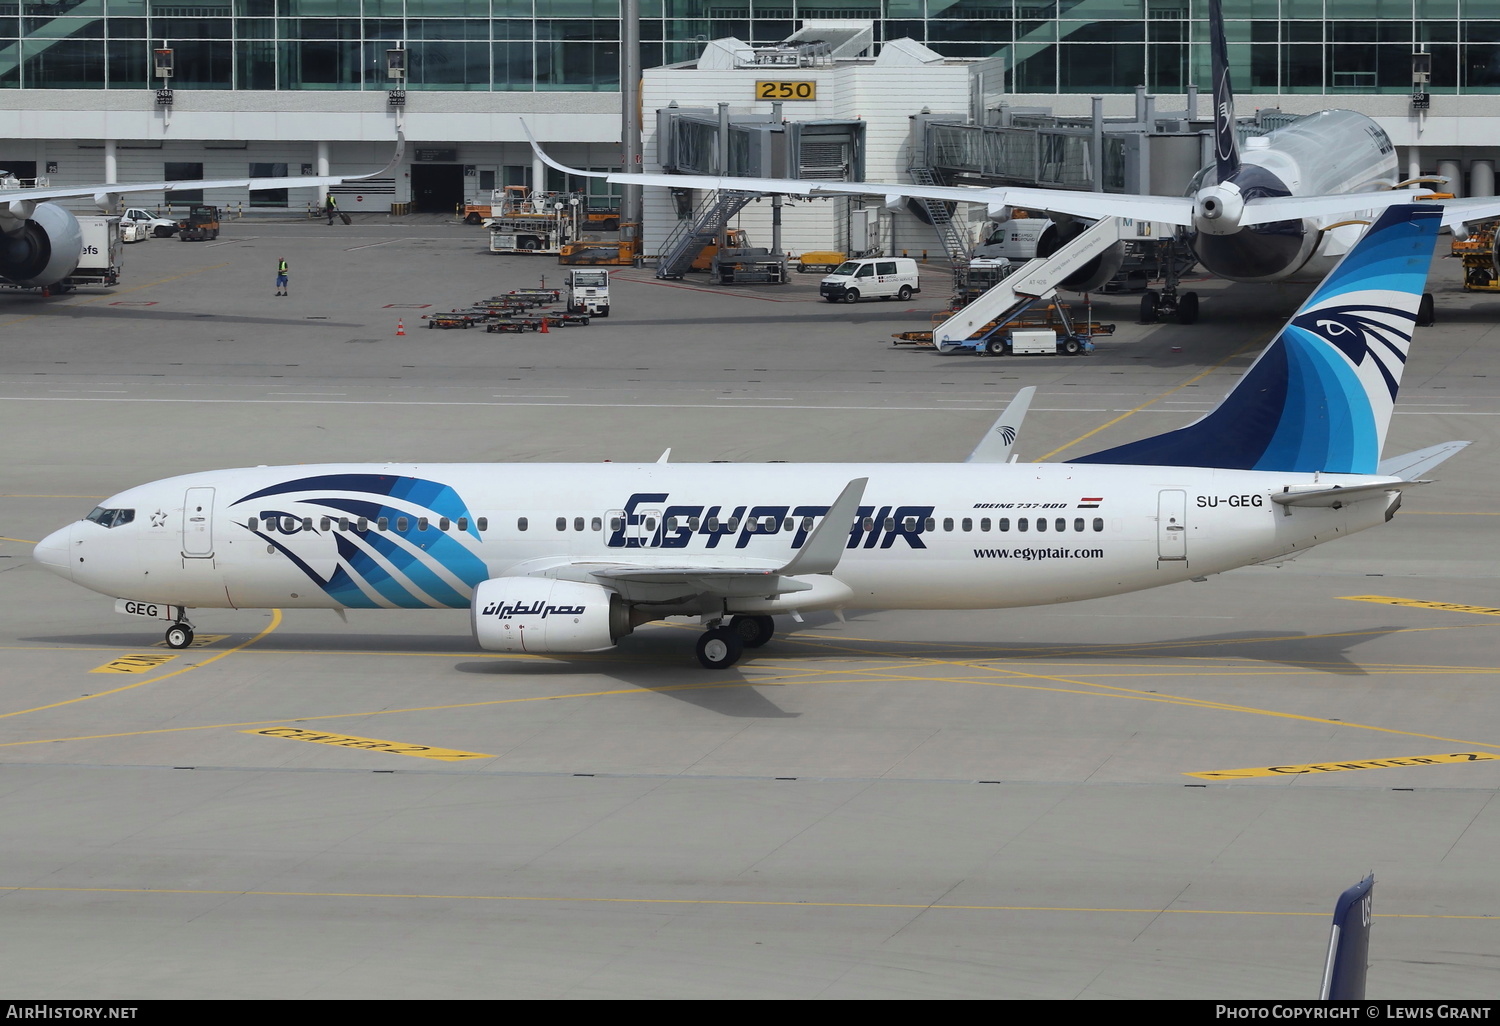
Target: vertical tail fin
[(1349, 944), (1226, 146), (1320, 396)]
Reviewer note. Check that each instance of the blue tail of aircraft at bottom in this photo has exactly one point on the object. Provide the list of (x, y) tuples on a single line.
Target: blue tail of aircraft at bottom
[(1319, 398), (1349, 944)]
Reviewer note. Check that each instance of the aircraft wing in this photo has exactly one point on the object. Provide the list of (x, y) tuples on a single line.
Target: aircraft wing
[(731, 575), (1172, 209), (9, 197)]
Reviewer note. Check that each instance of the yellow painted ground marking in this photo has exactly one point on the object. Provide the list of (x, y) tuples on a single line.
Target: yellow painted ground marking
[(1439, 513), (369, 744), (136, 662), (23, 541), (1343, 767), (1449, 607), (199, 641), (1253, 344), (116, 293), (275, 622), (914, 906)]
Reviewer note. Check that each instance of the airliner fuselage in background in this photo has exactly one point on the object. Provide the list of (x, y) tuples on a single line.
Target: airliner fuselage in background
[(555, 558)]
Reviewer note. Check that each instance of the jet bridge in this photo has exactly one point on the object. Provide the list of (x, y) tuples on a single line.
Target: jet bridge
[(975, 325)]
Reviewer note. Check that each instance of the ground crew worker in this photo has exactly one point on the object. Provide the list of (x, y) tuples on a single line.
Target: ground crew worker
[(331, 208), (281, 278)]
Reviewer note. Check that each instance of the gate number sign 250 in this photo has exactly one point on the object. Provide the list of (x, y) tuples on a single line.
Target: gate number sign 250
[(786, 90)]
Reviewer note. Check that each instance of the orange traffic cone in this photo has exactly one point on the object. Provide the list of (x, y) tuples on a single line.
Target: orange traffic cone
[(544, 325), (400, 329)]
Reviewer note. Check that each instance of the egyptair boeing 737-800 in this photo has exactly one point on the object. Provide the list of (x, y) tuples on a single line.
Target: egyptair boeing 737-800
[(560, 558)]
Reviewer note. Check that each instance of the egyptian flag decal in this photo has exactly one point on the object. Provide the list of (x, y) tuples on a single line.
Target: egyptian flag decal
[(1087, 503)]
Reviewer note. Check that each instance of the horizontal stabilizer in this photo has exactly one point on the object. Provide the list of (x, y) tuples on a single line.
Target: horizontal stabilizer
[(1412, 465), (1339, 496), (997, 442)]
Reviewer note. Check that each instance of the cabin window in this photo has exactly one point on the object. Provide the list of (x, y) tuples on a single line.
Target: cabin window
[(615, 523), (1003, 524), (382, 523), (806, 524), (522, 523), (1098, 523), (930, 525), (869, 523), (890, 524), (1022, 523), (693, 523), (307, 523), (650, 524), (1041, 523), (968, 524), (1078, 524), (421, 523), (444, 523), (984, 523), (483, 523), (402, 524), (343, 523), (562, 523), (1061, 523), (734, 524), (324, 524), (947, 523), (253, 524), (596, 524), (463, 523), (712, 523), (578, 523), (909, 524), (363, 524)]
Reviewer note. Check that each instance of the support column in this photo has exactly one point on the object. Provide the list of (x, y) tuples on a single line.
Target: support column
[(1413, 162), (322, 171), (111, 165)]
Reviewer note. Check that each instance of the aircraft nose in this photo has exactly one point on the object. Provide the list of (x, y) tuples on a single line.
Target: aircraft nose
[(52, 552)]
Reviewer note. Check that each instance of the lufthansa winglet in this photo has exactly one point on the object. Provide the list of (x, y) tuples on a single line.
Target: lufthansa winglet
[(997, 442), (821, 553)]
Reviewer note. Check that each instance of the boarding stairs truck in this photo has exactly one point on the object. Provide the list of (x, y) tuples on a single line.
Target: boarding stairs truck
[(983, 325)]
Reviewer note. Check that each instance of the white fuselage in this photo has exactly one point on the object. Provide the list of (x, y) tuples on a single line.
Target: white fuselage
[(1332, 152), (941, 536)]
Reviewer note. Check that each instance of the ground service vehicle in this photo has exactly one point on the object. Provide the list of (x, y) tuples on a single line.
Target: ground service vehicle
[(149, 223), (201, 224), (881, 277), (621, 252), (535, 234), (588, 292)]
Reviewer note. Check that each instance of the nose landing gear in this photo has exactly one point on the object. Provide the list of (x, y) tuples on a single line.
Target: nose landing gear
[(180, 635)]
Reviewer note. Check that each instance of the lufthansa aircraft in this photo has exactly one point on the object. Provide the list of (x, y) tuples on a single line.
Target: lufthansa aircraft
[(559, 558), (1286, 209), (40, 242)]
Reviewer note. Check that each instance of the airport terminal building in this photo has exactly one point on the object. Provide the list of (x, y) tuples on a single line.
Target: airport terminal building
[(273, 87)]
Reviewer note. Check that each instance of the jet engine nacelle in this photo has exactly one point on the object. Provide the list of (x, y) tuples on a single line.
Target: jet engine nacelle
[(1217, 209), (1091, 275), (43, 250), (538, 614)]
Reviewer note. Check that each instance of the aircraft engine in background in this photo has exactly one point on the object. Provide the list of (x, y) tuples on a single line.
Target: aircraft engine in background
[(1091, 275), (42, 250)]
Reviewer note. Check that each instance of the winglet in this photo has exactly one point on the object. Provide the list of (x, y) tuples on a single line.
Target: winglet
[(821, 553), (996, 444), (1349, 944), (536, 148)]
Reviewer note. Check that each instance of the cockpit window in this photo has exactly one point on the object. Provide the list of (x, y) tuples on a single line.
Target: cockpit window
[(106, 517)]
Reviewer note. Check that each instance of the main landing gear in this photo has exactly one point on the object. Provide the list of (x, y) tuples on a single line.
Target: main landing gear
[(1169, 303), (720, 647), (180, 635)]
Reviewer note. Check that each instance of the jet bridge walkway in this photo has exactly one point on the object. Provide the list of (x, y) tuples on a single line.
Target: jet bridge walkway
[(985, 320)]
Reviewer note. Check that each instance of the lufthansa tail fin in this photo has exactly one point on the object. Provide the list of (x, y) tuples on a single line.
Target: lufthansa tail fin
[(1319, 398), (1226, 145), (1349, 944)]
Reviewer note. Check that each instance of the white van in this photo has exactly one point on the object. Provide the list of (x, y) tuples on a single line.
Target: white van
[(872, 277)]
